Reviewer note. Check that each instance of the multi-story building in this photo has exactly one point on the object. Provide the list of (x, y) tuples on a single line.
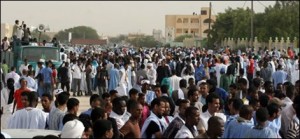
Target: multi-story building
[(6, 30), (194, 24)]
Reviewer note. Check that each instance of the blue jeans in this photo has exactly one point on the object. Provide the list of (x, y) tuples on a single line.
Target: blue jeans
[(47, 88)]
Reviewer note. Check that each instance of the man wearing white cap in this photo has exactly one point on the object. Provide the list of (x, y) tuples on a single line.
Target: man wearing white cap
[(151, 73), (72, 129), (149, 94)]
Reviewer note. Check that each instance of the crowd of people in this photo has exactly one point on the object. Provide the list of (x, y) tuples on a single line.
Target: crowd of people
[(157, 93)]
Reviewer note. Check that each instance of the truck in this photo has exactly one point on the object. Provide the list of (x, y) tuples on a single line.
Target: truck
[(34, 54)]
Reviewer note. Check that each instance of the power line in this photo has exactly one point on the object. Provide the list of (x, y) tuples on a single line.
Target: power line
[(244, 4), (262, 4)]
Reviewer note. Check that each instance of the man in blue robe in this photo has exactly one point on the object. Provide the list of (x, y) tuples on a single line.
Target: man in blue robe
[(114, 77)]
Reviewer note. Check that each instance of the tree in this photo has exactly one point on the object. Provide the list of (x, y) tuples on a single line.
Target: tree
[(79, 32), (279, 20), (117, 39), (182, 37), (144, 41), (36, 33)]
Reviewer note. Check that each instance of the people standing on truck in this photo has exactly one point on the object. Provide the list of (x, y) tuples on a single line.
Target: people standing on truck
[(16, 29)]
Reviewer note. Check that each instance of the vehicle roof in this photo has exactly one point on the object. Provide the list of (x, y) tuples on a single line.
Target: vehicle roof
[(31, 46), (29, 133)]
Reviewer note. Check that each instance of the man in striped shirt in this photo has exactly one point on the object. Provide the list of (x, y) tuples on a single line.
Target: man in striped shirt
[(293, 129)]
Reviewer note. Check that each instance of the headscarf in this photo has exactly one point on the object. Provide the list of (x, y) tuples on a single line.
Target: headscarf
[(166, 81)]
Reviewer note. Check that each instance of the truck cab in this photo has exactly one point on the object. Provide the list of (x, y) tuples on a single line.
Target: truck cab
[(34, 53)]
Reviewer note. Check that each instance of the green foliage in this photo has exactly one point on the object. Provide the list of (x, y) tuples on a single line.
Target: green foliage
[(79, 32), (144, 41), (35, 34), (280, 20), (182, 37), (167, 45), (117, 39)]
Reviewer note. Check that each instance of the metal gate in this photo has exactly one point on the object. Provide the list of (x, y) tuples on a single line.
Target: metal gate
[(9, 57)]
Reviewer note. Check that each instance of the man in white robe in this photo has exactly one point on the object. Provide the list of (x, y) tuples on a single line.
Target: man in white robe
[(29, 117), (7, 102), (189, 130), (14, 75), (119, 112), (151, 73), (154, 121), (174, 81), (123, 84), (23, 66)]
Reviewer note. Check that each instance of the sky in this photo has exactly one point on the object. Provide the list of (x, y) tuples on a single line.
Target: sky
[(111, 18)]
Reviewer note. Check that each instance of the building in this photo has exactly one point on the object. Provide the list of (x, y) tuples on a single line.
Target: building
[(6, 30), (194, 24)]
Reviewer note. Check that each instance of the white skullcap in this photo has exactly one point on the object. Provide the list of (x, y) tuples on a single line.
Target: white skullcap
[(42, 60), (145, 81), (145, 61), (111, 53), (200, 82), (57, 91), (149, 64), (72, 129)]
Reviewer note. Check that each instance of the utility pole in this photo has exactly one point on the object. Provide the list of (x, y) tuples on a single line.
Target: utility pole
[(209, 16), (251, 39)]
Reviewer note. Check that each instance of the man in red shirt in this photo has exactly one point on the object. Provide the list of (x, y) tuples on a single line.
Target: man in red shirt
[(250, 69), (17, 94), (290, 53)]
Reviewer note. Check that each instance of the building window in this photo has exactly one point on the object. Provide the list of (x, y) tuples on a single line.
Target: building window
[(194, 20), (179, 20), (203, 12), (185, 20)]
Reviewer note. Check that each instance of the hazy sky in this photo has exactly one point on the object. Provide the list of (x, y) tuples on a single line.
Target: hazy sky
[(110, 17)]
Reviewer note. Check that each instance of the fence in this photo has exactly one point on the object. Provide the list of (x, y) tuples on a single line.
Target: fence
[(9, 58), (281, 44)]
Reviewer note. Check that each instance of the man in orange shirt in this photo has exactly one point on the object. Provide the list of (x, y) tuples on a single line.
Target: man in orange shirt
[(17, 94)]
